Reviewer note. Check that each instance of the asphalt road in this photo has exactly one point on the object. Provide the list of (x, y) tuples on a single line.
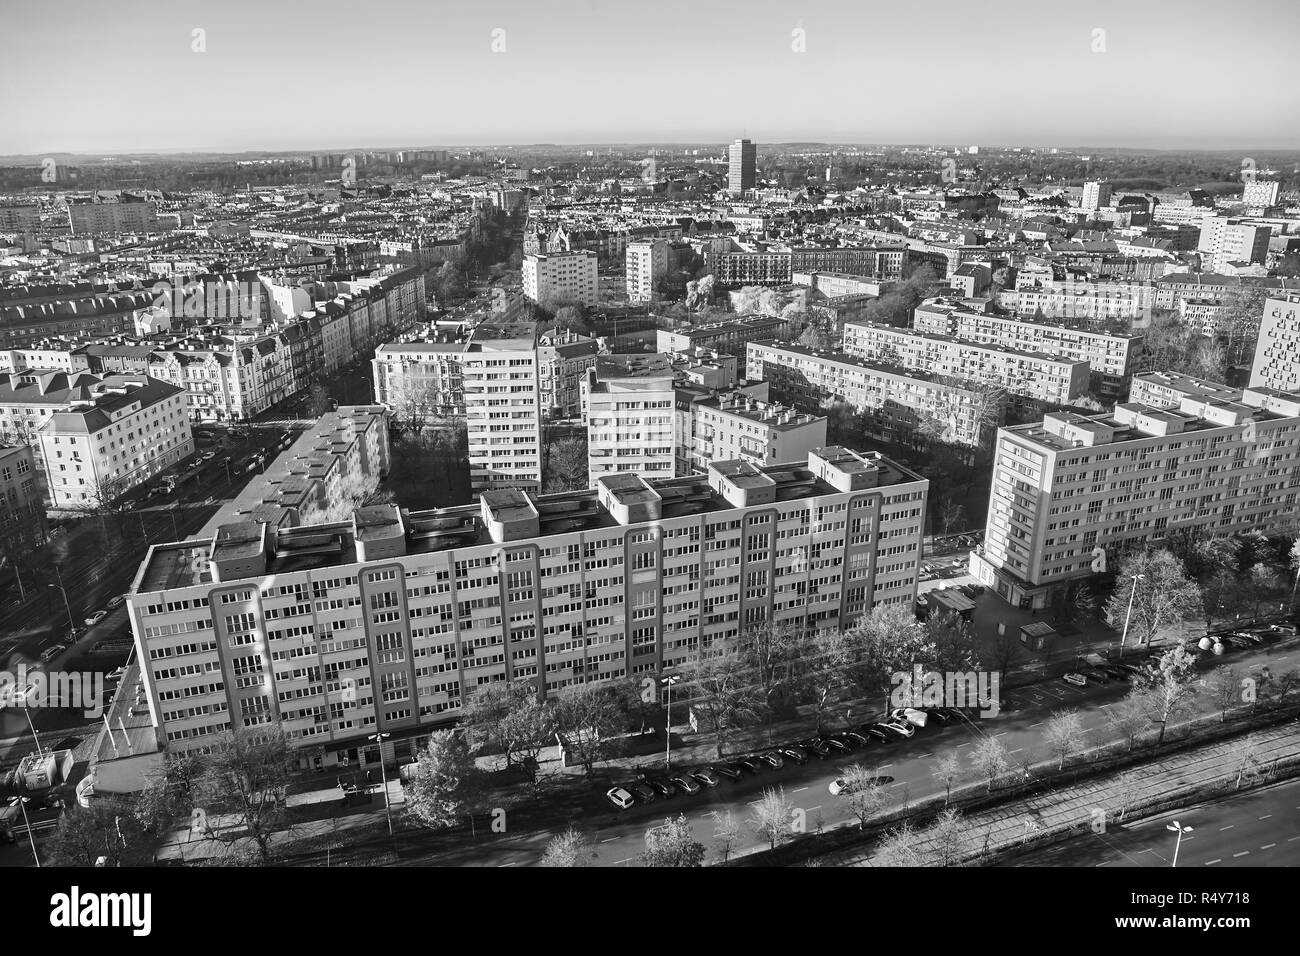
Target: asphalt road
[(1258, 828), (620, 836)]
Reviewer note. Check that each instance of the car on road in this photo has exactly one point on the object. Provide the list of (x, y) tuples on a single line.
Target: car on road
[(708, 777), (854, 738), (942, 714), (1283, 630), (839, 785), (620, 798), (797, 754), (208, 455), (875, 732), (662, 787), (836, 744), (642, 791), (729, 770), (1076, 679), (96, 618), (752, 764), (1115, 672), (686, 783), (50, 653), (1094, 673), (116, 602), (902, 728), (909, 715), (817, 746), (115, 675), (773, 759)]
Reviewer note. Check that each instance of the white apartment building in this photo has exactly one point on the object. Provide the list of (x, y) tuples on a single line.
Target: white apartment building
[(1073, 488), (1225, 240), (1113, 356), (112, 436), (895, 404), (563, 358), (647, 267), (561, 276), (1260, 193), (1096, 195), (1034, 375), (419, 379), (390, 621), (1277, 352), (499, 371), (738, 426), (628, 401)]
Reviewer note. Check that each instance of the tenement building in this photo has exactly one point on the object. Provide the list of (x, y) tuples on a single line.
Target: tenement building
[(389, 621)]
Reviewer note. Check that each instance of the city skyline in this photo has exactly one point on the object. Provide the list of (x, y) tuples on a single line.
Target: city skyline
[(394, 89)]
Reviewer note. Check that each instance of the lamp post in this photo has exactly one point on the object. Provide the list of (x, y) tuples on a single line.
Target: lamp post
[(1180, 830), (72, 624), (668, 682), (383, 774), (1129, 612), (22, 802)]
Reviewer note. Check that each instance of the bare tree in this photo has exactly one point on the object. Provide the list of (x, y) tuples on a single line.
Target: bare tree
[(565, 468), (1063, 734), (720, 683), (726, 832), (951, 515), (1171, 688), (773, 817), (948, 768), (247, 773), (950, 838), (590, 718), (1224, 686), (571, 848), (989, 758), (1156, 586), (864, 794), (1249, 763), (673, 845), (1130, 716), (900, 847)]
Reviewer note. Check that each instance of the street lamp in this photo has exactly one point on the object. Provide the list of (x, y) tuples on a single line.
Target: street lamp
[(1180, 830), (1132, 595), (379, 742), (72, 624), (668, 682)]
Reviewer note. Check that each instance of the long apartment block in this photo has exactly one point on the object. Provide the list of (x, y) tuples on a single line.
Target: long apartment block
[(1277, 351), (1044, 378), (894, 402), (390, 620), (1074, 487), (1112, 356)]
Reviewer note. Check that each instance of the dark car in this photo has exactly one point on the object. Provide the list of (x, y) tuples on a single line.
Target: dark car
[(1116, 672), (752, 764), (643, 792), (857, 739), (835, 744), (1094, 673), (729, 770), (708, 776), (797, 754), (686, 783), (875, 733), (664, 788), (774, 759), (817, 746), (942, 714), (891, 731)]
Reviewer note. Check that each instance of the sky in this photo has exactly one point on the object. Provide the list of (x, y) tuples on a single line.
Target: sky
[(103, 76)]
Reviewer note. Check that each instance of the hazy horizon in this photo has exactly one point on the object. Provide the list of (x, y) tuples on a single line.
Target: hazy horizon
[(89, 78)]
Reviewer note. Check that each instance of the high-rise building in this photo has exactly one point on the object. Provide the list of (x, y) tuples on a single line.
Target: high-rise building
[(735, 425), (1260, 193), (499, 369), (1096, 195), (1225, 240), (742, 165), (647, 267), (1072, 493), (1277, 351), (561, 277), (390, 621), (628, 402), (93, 218)]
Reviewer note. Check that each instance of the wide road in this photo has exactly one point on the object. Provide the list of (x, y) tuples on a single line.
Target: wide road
[(620, 836), (1258, 828)]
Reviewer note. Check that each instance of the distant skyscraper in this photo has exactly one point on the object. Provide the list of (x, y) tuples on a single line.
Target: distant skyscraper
[(741, 156), (1095, 196)]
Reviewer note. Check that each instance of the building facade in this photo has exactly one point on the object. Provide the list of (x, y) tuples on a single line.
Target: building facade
[(647, 268), (1277, 351), (742, 168), (499, 369), (561, 277), (628, 402)]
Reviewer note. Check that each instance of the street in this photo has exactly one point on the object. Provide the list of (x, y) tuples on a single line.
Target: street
[(1258, 828)]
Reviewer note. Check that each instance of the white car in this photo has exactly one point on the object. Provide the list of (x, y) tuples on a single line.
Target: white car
[(900, 727), (116, 602), (620, 798), (908, 715), (1078, 680), (96, 618)]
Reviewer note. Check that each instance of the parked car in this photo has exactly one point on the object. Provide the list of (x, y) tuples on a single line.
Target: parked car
[(816, 746), (686, 783), (942, 714), (839, 785), (752, 764), (642, 791), (1116, 672), (208, 455), (909, 715), (708, 777), (620, 798), (797, 754), (50, 653), (96, 618), (857, 739), (1076, 679), (729, 770), (774, 759), (836, 744), (116, 602), (1094, 673), (1285, 630), (899, 727), (874, 732), (664, 788)]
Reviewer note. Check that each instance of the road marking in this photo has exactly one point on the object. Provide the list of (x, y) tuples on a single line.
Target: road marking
[(628, 860), (1242, 853), (811, 809), (1228, 827), (925, 755), (1212, 862), (1102, 863), (884, 766), (511, 863), (1266, 816), (1039, 724), (1268, 846), (610, 840), (800, 790), (1017, 750)]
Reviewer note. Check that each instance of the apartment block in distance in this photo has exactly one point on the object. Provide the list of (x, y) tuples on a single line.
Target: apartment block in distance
[(1111, 356), (735, 425), (1225, 240), (111, 437), (561, 277), (1034, 375), (628, 401), (1277, 351), (895, 403), (1074, 488), (23, 526), (499, 368), (95, 218), (742, 159), (390, 621), (647, 267)]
